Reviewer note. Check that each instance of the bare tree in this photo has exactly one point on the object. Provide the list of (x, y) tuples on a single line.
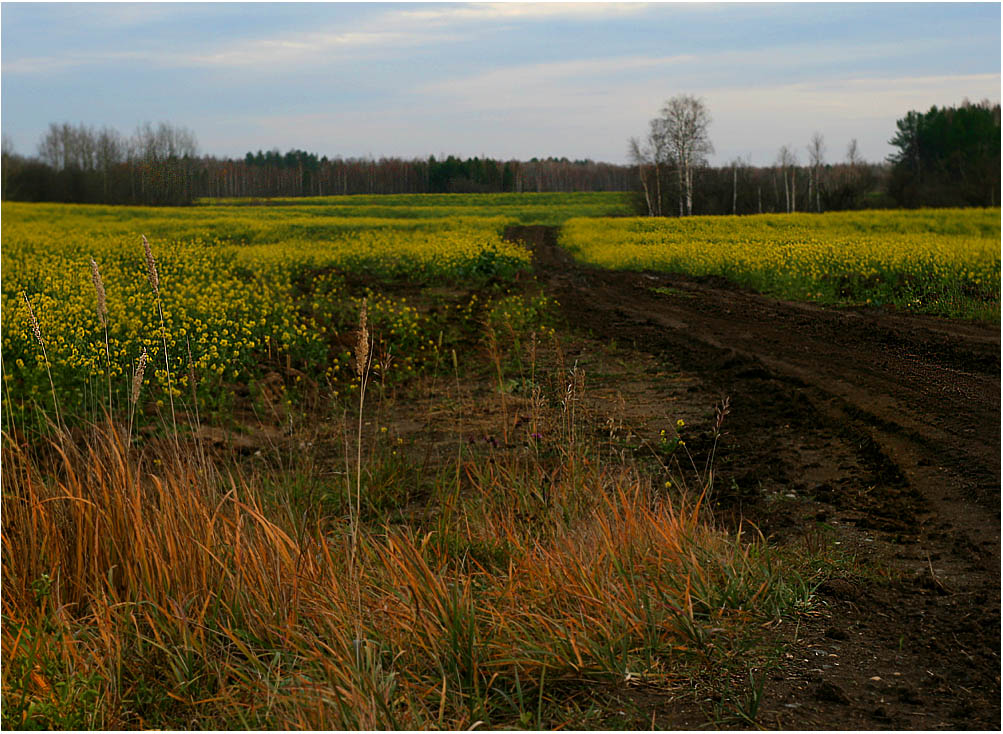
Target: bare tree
[(682, 132), (51, 148), (661, 155), (856, 178), (164, 142), (83, 148), (816, 154), (641, 159), (110, 151), (853, 154), (65, 146), (787, 160), (737, 164)]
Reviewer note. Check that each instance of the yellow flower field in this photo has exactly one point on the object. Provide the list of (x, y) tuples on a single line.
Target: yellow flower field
[(938, 261), (241, 288)]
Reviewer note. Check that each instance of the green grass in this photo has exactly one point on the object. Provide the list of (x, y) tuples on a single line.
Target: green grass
[(526, 208)]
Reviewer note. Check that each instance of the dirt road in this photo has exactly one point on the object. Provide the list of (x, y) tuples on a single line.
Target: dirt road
[(881, 430)]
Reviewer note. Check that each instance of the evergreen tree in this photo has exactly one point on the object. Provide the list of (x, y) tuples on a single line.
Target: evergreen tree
[(949, 156)]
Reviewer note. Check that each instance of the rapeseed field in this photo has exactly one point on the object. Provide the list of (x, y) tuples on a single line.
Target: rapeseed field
[(940, 261), (239, 289), (477, 547)]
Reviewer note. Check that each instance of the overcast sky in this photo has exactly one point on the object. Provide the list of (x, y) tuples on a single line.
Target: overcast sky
[(503, 80)]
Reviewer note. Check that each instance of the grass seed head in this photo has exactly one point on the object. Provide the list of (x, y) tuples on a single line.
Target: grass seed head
[(34, 322), (151, 267), (137, 378), (99, 289), (362, 347)]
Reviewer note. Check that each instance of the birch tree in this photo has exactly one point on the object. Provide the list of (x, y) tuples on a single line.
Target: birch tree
[(661, 154), (682, 128), (853, 157), (816, 155), (639, 156), (788, 161)]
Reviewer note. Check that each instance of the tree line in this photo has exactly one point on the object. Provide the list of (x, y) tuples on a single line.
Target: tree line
[(161, 165), (948, 156), (82, 164)]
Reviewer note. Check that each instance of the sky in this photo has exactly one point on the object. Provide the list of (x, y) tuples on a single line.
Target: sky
[(506, 80)]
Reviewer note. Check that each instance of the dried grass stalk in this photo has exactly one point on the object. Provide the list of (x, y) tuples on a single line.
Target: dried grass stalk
[(37, 331), (99, 290), (137, 378), (151, 267), (34, 322), (362, 347)]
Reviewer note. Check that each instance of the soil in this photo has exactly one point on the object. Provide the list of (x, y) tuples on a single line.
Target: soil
[(875, 431)]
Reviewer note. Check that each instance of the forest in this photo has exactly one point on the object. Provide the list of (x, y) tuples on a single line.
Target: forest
[(948, 156)]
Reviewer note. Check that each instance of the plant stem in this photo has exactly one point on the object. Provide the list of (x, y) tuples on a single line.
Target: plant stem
[(167, 367)]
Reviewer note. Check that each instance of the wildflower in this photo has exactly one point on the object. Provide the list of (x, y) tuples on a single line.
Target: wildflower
[(680, 423)]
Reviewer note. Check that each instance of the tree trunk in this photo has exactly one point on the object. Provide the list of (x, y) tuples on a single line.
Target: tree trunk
[(658, 189), (681, 189), (689, 190), (734, 190), (644, 185), (818, 189)]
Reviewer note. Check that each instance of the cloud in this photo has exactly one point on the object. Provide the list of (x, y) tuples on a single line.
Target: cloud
[(316, 47), (600, 102), (382, 33), (516, 79), (306, 48), (859, 98), (51, 64), (551, 85), (761, 119), (396, 29), (482, 12)]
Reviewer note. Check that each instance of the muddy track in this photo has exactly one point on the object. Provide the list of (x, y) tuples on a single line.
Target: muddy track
[(884, 426)]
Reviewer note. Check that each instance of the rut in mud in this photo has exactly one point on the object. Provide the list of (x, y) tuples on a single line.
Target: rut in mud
[(883, 426)]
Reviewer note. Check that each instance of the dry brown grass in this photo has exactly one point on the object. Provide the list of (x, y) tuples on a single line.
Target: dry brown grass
[(176, 598), (152, 587), (36, 330)]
